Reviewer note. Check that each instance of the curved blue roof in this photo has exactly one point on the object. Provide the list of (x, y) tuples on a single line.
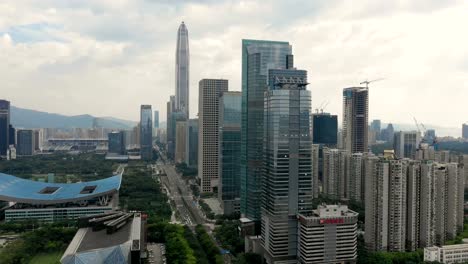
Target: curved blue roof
[(14, 189)]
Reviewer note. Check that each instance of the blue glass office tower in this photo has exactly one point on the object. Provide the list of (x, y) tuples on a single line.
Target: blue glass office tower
[(146, 132), (193, 143), (116, 142), (258, 56), (25, 146), (4, 126), (287, 165), (325, 129), (229, 151)]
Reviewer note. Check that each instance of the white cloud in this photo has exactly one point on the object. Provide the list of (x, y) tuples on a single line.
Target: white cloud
[(107, 57)]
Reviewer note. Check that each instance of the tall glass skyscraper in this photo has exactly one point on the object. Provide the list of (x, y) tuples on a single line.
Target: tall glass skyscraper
[(156, 119), (229, 151), (287, 165), (182, 70), (146, 132), (258, 56), (4, 126)]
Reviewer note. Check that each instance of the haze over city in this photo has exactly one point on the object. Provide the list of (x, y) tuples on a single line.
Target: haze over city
[(105, 58)]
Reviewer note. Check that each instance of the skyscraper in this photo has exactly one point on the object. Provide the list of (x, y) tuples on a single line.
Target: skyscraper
[(182, 71), (465, 131), (181, 142), (406, 143), (258, 56), (156, 119), (355, 119), (287, 166), (4, 126), (25, 142), (116, 143), (325, 129), (171, 129), (208, 136), (146, 132), (193, 143), (229, 151)]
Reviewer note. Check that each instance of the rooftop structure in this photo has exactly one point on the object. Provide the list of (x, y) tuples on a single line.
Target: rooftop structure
[(40, 200), (108, 238)]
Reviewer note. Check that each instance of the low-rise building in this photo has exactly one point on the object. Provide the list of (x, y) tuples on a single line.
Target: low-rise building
[(447, 254), (328, 235)]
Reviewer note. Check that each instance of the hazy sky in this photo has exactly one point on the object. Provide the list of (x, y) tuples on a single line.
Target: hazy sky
[(105, 58)]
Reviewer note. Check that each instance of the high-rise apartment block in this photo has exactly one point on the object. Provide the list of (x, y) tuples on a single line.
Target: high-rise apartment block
[(343, 174), (258, 56), (328, 235), (406, 143), (25, 145), (229, 151), (325, 129), (208, 138), (286, 181), (411, 204), (4, 127), (146, 132), (355, 119), (334, 172)]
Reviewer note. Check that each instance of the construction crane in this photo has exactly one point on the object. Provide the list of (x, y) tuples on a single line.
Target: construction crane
[(418, 126), (366, 82), (322, 106)]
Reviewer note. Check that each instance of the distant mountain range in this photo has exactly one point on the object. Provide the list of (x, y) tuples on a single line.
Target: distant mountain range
[(26, 118)]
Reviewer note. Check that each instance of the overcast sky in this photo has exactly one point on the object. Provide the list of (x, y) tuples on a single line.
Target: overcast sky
[(105, 58)]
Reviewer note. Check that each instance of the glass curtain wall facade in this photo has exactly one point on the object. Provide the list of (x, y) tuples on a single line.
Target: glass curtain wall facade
[(182, 70), (287, 179), (229, 151), (146, 132), (258, 56), (193, 143), (4, 126)]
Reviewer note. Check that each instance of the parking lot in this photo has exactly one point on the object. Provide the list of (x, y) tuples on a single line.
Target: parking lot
[(156, 253)]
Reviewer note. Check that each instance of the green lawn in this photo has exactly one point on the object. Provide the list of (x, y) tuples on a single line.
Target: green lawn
[(47, 258)]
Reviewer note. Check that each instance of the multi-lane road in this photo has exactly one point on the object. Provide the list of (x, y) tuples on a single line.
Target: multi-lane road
[(180, 193)]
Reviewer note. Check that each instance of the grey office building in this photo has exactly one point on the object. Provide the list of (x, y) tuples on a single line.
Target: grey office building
[(229, 151), (355, 119), (25, 144), (405, 144), (4, 126), (208, 137), (146, 132), (258, 56), (287, 179)]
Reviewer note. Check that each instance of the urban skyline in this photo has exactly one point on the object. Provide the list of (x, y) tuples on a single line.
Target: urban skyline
[(392, 45)]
